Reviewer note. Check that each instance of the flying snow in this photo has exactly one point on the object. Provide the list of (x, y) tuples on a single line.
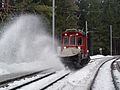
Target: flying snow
[(26, 45)]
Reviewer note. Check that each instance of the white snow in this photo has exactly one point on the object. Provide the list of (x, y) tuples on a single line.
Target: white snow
[(40, 84), (117, 76), (96, 56), (26, 46), (79, 80), (22, 67), (2, 72), (22, 81), (104, 78)]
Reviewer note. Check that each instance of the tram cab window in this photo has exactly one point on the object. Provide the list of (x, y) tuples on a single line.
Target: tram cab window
[(72, 40), (65, 41), (79, 40)]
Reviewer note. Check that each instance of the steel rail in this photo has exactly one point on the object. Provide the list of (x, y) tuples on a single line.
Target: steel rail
[(3, 83), (96, 74), (27, 83), (118, 66), (45, 87), (112, 74)]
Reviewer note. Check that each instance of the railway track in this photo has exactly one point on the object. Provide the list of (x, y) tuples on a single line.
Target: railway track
[(112, 74), (34, 77), (118, 66), (16, 77), (95, 76), (8, 83), (54, 81)]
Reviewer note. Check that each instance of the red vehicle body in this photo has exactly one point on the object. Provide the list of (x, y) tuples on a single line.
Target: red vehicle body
[(77, 35), (74, 47)]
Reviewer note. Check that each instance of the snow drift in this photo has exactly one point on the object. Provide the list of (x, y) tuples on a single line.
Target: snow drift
[(25, 45)]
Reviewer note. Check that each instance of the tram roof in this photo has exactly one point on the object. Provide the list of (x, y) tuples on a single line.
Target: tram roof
[(73, 31)]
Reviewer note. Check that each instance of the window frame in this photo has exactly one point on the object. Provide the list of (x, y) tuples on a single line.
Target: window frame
[(81, 40), (74, 40), (64, 40)]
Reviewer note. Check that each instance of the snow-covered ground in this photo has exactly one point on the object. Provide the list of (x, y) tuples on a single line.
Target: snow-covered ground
[(96, 56), (22, 81), (2, 72), (42, 83), (81, 79), (104, 78), (38, 84), (6, 68), (117, 76)]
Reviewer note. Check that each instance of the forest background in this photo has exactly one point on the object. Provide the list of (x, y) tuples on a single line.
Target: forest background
[(99, 14)]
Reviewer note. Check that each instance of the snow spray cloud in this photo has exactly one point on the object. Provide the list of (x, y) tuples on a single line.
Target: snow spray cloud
[(26, 40)]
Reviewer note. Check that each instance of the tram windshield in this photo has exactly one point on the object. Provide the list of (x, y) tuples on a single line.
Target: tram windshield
[(79, 41), (65, 41), (72, 40)]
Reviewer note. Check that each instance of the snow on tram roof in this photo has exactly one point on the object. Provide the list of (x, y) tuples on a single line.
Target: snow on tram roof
[(74, 30), (71, 29)]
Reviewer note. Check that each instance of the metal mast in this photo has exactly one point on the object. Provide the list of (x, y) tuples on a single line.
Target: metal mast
[(86, 28), (110, 39), (53, 22)]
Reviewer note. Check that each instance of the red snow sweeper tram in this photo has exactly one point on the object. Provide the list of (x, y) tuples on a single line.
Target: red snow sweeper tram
[(74, 53)]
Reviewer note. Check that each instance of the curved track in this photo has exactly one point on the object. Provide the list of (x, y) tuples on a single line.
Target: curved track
[(93, 81), (118, 66), (112, 74)]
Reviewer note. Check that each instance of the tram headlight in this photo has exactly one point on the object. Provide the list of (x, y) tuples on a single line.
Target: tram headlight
[(79, 48), (65, 34), (64, 47), (87, 51), (77, 34)]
